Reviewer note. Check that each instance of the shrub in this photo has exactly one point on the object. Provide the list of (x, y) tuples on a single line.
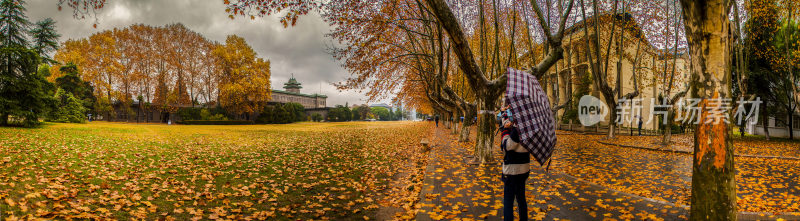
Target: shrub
[(68, 109), (217, 117), (266, 115), (205, 114), (316, 117), (381, 113), (191, 113), (296, 110), (281, 115), (570, 114)]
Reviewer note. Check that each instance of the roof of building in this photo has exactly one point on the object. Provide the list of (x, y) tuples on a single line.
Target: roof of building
[(300, 94), (292, 84)]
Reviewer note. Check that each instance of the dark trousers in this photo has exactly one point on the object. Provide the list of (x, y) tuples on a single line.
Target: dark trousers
[(515, 188)]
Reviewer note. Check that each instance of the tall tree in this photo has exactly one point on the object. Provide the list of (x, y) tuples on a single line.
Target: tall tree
[(244, 86), (488, 91), (713, 172), (669, 98), (45, 39), (72, 83), (598, 66), (14, 24)]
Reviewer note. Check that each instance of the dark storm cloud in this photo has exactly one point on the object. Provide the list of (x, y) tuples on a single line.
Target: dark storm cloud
[(299, 49)]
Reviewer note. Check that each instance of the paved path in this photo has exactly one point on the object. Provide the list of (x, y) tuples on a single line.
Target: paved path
[(456, 189)]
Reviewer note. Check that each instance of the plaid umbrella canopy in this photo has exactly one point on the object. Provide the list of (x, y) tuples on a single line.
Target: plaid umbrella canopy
[(532, 113)]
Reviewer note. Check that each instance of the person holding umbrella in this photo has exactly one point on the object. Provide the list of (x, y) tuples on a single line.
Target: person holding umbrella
[(528, 129), (516, 167)]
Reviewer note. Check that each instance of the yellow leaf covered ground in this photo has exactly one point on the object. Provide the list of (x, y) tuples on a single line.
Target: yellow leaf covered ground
[(151, 171)]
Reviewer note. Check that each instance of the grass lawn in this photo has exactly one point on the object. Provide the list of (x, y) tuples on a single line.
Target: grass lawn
[(152, 171)]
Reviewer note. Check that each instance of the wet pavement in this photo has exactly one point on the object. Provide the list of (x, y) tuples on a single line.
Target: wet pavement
[(763, 185), (592, 181)]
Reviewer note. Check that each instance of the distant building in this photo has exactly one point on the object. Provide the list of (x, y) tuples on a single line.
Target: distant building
[(388, 107), (314, 103), (292, 94), (563, 80)]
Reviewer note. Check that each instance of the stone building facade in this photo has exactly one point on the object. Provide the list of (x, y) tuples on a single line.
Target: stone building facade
[(563, 79), (313, 103), (292, 94)]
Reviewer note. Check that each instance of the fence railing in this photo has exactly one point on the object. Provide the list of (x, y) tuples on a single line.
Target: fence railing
[(623, 129)]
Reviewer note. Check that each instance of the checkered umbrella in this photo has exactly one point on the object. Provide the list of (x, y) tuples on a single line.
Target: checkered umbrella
[(532, 114)]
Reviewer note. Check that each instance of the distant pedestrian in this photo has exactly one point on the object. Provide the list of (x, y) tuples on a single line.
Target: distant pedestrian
[(436, 118), (516, 167), (640, 125)]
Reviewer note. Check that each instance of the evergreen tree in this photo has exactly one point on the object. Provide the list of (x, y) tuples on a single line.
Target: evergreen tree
[(45, 39), (22, 90), (316, 117), (69, 109), (347, 114), (13, 23), (281, 115), (72, 83), (297, 112), (266, 115)]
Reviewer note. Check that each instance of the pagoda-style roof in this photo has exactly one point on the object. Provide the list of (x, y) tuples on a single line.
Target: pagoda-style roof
[(292, 84)]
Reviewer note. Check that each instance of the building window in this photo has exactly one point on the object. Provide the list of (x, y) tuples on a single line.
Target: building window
[(796, 124)]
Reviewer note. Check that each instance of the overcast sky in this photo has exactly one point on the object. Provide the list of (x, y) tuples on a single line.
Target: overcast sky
[(299, 49)]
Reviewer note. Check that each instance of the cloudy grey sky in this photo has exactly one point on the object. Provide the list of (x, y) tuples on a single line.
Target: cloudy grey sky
[(299, 49)]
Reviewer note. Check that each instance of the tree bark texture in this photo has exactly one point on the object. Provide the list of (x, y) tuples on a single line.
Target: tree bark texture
[(713, 186)]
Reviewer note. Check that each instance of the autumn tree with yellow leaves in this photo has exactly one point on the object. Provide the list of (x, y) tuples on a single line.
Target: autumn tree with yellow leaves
[(166, 67), (244, 86)]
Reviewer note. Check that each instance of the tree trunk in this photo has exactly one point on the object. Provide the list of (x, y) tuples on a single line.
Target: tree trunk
[(791, 125), (741, 128), (464, 137), (447, 121), (454, 129), (469, 113), (455, 121), (138, 111), (713, 185), (612, 124), (484, 140), (668, 129), (765, 124)]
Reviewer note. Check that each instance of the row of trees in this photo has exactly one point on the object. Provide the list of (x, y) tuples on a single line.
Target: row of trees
[(167, 67), (363, 112), (282, 114)]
